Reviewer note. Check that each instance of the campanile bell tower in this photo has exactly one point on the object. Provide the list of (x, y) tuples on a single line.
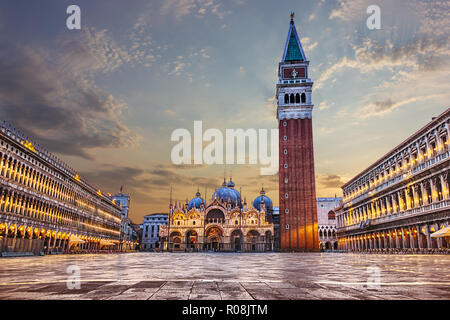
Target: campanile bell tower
[(298, 208)]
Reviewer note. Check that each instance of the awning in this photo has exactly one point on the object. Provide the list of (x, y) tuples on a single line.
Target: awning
[(74, 239), (445, 232)]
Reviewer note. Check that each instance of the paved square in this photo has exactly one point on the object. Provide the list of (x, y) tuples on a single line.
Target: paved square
[(235, 276)]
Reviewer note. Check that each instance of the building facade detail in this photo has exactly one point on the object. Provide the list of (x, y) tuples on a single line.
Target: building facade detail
[(402, 198), (326, 215), (128, 235), (150, 231)]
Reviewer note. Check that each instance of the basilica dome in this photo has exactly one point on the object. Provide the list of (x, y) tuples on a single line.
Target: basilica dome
[(228, 193), (195, 202), (267, 202)]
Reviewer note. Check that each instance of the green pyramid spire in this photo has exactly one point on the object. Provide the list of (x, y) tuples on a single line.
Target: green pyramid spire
[(293, 50)]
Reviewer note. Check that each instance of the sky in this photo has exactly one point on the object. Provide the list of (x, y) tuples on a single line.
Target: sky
[(106, 98)]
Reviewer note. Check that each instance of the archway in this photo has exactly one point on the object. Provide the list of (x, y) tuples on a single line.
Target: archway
[(252, 240), (191, 239), (175, 240), (214, 236), (215, 216), (237, 238), (303, 97), (3, 228)]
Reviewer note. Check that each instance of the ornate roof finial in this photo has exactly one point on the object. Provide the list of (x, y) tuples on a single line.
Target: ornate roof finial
[(292, 15)]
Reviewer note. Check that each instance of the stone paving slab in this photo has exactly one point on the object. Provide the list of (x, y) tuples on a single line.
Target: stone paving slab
[(216, 276)]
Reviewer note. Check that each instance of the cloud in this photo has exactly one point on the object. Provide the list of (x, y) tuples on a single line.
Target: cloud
[(181, 8), (327, 130), (90, 52), (350, 10), (307, 45), (371, 56), (164, 175), (51, 100), (435, 17), (330, 181), (379, 108), (179, 65), (323, 105)]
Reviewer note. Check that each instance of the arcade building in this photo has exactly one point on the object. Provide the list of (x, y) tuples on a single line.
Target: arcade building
[(46, 207), (224, 223), (399, 201)]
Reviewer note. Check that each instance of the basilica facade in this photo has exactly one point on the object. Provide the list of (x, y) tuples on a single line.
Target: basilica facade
[(224, 223)]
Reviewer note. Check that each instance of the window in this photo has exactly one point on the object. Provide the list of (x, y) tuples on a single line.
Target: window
[(286, 98), (291, 98), (285, 151), (284, 123), (286, 210), (297, 98), (286, 180), (303, 97), (285, 138), (287, 226), (285, 165), (286, 195)]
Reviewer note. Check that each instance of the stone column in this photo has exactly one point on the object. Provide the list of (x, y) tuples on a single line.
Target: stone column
[(424, 194), (404, 242), (439, 240), (414, 196), (432, 187), (411, 238), (419, 237), (392, 203), (397, 239), (427, 233), (407, 199), (399, 197), (391, 240)]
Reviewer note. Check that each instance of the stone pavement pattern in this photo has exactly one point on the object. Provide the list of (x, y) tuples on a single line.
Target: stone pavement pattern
[(230, 276)]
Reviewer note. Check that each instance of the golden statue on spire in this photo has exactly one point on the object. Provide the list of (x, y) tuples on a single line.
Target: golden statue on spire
[(292, 16)]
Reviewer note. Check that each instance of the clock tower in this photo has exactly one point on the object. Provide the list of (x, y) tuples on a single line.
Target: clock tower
[(297, 190)]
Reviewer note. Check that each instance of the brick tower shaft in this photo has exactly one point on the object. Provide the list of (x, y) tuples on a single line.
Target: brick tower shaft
[(297, 191)]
